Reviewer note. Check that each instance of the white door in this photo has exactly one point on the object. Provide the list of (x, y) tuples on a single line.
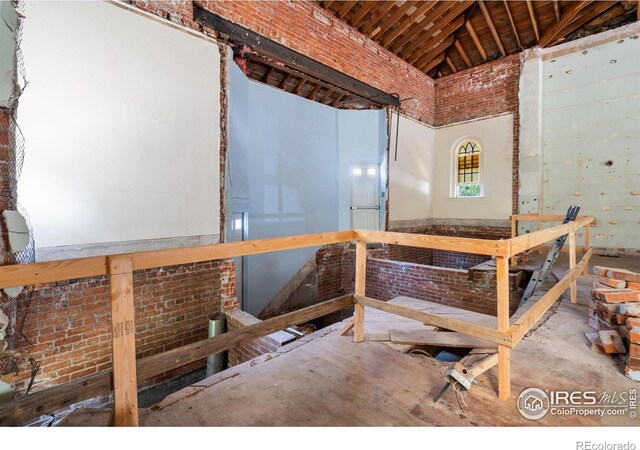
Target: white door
[(365, 196)]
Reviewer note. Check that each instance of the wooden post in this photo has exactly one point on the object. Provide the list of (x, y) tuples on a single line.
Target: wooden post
[(572, 264), (361, 276), (504, 355), (514, 231), (587, 232), (125, 384)]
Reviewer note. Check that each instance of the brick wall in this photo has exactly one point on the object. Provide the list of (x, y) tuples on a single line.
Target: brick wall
[(482, 91), (305, 27), (245, 352), (457, 260), (410, 254), (68, 323), (453, 287)]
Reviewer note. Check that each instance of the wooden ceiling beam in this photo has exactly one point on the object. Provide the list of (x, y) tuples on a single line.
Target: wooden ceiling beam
[(393, 18), (552, 33), (463, 54), (299, 86), (434, 14), (450, 64), (359, 15), (344, 10), (556, 8), (283, 83), (409, 21), (312, 95), (433, 53), (599, 8), (433, 63), (447, 23), (492, 28), (534, 22), (337, 100), (435, 42), (370, 24), (475, 39), (265, 77), (513, 24)]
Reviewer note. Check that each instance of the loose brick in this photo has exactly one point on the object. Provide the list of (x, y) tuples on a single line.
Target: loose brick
[(633, 322), (633, 285), (630, 309), (622, 274), (634, 350), (612, 342), (634, 335), (631, 373), (633, 363), (600, 271), (617, 296), (611, 282)]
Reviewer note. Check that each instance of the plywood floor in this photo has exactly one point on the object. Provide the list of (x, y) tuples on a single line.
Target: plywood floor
[(327, 380)]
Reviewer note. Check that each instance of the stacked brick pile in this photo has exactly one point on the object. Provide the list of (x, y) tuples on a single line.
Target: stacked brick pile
[(615, 313)]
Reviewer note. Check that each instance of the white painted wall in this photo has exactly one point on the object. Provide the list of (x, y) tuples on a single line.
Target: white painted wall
[(8, 21), (121, 122), (411, 175), (289, 166), (588, 96), (495, 135)]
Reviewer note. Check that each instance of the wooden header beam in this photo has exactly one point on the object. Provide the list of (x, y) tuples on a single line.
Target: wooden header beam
[(454, 244)]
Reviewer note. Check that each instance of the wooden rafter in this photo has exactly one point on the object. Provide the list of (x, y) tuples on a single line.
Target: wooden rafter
[(410, 20), (553, 33), (442, 27), (283, 83), (393, 18), (344, 9), (513, 25), (534, 21), (265, 77), (312, 95), (492, 28), (556, 9), (299, 86), (370, 24), (476, 41), (463, 54), (433, 63), (436, 41), (433, 53), (421, 27), (598, 8), (450, 64), (359, 15), (337, 100)]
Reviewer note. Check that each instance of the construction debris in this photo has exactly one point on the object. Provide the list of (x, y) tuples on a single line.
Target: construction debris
[(614, 312)]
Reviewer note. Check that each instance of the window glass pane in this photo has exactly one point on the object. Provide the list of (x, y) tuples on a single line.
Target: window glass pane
[(468, 170)]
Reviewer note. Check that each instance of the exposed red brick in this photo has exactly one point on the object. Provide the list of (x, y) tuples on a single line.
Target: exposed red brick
[(621, 274), (616, 295), (309, 29), (68, 323), (479, 92)]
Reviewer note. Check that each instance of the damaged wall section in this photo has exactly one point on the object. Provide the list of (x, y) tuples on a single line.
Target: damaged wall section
[(581, 103)]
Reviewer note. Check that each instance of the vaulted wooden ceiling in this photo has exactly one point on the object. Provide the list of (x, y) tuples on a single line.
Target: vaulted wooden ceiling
[(444, 37)]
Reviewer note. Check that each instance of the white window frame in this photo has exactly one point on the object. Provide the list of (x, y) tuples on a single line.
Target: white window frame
[(454, 168)]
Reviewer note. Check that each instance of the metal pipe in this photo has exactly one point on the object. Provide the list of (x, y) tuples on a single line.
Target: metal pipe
[(217, 326)]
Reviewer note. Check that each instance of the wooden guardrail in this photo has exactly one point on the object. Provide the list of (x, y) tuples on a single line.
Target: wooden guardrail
[(126, 370)]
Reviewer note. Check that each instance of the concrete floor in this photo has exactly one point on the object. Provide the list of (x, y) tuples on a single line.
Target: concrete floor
[(325, 379)]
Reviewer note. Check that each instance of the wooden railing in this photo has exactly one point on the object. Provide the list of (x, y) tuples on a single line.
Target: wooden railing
[(122, 380)]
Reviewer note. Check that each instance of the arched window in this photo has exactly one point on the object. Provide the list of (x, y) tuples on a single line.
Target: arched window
[(468, 169)]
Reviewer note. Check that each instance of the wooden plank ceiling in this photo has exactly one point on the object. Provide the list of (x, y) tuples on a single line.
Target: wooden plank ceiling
[(444, 37)]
